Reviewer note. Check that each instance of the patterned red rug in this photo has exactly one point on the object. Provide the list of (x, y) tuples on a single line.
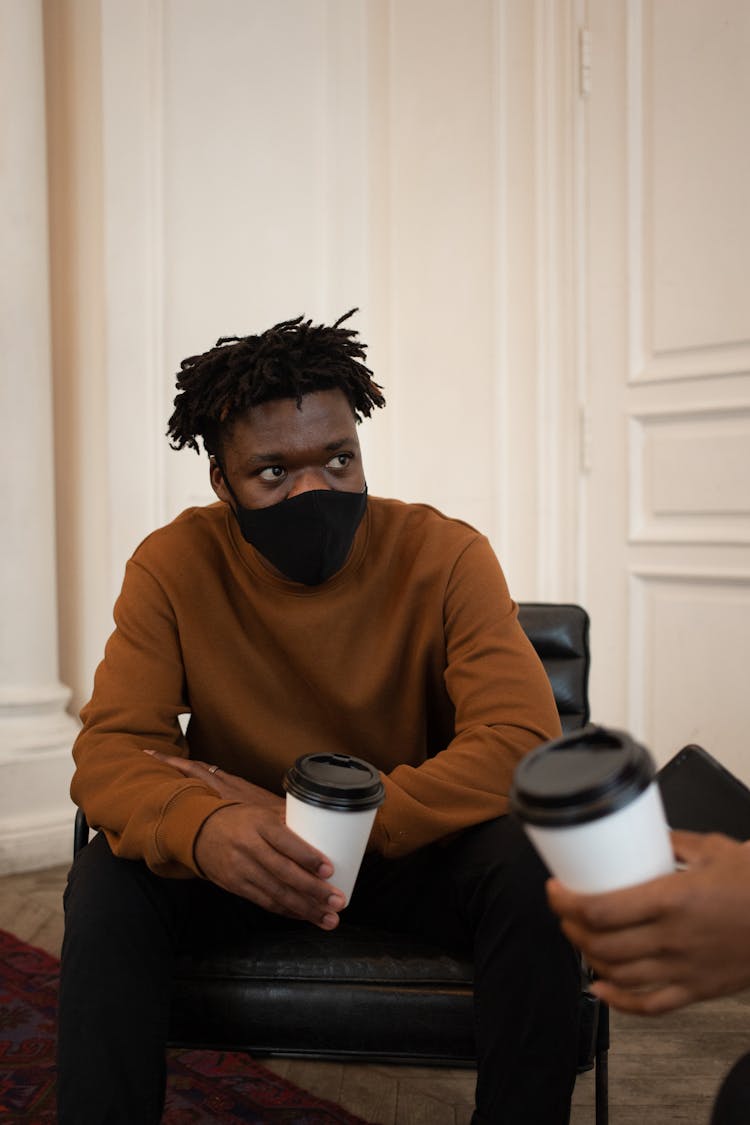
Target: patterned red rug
[(221, 1087)]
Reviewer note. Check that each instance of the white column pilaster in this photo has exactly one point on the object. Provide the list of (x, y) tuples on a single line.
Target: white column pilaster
[(36, 732)]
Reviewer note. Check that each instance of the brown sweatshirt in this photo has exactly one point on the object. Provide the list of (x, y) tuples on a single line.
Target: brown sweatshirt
[(410, 657)]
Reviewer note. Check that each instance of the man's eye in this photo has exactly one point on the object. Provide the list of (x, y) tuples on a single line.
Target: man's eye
[(340, 461), (272, 473)]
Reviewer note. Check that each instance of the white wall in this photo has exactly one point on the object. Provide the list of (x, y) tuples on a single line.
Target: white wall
[(222, 164)]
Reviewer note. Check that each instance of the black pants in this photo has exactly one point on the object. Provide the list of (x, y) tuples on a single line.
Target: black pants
[(482, 892), (732, 1106)]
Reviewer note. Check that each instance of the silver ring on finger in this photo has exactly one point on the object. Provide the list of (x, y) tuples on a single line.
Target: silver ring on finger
[(213, 769)]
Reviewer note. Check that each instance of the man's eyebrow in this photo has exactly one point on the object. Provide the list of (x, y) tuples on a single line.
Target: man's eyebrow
[(266, 458), (257, 458), (334, 445)]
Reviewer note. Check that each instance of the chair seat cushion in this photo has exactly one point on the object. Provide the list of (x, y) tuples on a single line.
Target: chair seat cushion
[(355, 993), (351, 953)]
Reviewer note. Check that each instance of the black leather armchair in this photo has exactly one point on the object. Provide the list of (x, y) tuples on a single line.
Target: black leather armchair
[(362, 995)]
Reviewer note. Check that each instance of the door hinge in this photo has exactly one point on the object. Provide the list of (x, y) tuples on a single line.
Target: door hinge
[(584, 62)]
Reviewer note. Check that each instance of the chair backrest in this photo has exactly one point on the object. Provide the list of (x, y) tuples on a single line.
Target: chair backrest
[(560, 635)]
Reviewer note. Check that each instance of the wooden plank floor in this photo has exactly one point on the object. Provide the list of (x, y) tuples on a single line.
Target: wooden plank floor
[(661, 1071)]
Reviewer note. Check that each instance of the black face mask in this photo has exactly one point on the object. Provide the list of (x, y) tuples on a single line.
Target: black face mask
[(306, 537)]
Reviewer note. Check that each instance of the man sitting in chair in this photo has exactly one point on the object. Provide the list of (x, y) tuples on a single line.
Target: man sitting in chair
[(294, 616)]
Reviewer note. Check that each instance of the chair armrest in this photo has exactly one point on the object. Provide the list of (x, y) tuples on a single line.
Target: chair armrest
[(80, 833)]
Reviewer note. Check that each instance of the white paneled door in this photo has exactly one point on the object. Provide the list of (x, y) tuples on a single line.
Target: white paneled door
[(664, 193)]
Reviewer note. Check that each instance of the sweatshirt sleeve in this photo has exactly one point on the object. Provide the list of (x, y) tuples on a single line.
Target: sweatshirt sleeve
[(145, 808), (504, 707)]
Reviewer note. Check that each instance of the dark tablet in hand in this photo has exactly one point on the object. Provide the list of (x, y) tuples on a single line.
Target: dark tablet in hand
[(701, 795)]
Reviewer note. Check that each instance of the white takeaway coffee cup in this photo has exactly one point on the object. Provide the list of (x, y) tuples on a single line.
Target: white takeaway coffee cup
[(331, 802), (591, 806)]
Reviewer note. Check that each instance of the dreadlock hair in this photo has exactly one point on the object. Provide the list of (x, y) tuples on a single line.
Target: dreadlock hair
[(286, 361)]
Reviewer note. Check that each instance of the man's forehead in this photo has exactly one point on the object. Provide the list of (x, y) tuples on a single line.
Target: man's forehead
[(292, 410), (325, 418)]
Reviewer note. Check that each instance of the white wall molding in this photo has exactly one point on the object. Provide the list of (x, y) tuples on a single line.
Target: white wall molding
[(580, 289), (74, 135), (344, 234), (502, 476), (635, 219), (550, 186), (36, 733), (557, 150), (655, 572), (538, 146), (132, 82), (692, 359), (690, 475), (684, 623), (36, 840)]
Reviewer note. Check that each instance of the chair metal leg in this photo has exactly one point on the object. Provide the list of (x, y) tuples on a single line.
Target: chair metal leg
[(601, 1072), (601, 1089)]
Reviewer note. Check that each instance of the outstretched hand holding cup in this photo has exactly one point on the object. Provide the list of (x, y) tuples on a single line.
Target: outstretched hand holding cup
[(331, 802), (591, 806)]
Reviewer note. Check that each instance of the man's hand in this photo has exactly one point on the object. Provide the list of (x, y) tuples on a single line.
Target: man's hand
[(671, 941), (227, 785), (248, 850)]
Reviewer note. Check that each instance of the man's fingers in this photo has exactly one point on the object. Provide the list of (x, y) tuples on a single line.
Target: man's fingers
[(287, 905), (186, 766), (289, 853), (614, 947), (645, 973), (561, 898), (301, 852), (696, 848), (632, 906), (278, 887), (653, 1002)]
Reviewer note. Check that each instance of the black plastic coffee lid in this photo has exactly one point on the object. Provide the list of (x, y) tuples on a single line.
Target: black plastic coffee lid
[(580, 777), (335, 781)]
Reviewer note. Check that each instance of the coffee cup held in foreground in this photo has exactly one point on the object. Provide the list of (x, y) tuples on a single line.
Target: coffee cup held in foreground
[(591, 807), (331, 802)]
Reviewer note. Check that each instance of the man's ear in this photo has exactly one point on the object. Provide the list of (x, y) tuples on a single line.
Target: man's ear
[(217, 481)]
